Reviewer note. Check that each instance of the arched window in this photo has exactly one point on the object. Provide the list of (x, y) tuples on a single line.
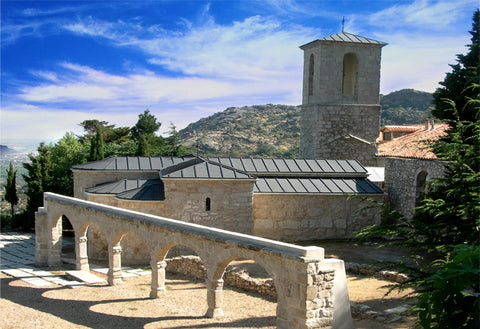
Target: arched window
[(421, 187), (349, 73), (208, 204), (310, 75)]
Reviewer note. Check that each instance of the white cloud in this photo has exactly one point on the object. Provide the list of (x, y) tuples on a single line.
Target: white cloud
[(425, 14)]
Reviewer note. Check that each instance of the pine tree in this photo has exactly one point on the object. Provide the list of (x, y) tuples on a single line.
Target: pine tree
[(456, 84), (97, 145), (38, 180), (11, 188)]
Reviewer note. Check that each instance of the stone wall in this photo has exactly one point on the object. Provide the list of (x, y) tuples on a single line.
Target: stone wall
[(328, 73), (310, 217), (401, 181), (325, 131), (230, 203)]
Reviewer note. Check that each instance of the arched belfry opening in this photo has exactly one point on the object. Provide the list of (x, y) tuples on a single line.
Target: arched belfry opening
[(310, 74), (349, 74)]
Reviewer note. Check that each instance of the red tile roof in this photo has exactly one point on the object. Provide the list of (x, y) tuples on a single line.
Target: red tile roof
[(402, 129), (412, 145)]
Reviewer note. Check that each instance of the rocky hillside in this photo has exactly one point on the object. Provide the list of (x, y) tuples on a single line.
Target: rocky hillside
[(258, 130), (274, 130)]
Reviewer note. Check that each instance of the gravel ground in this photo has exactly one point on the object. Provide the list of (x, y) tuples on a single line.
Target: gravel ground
[(128, 305)]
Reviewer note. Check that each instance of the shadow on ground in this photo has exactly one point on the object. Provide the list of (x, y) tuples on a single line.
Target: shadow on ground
[(79, 311)]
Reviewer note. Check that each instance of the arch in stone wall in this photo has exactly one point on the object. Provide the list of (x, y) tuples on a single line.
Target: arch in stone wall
[(215, 279), (420, 186), (349, 74)]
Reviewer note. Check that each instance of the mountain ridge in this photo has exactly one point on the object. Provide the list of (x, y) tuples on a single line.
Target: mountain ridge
[(274, 130)]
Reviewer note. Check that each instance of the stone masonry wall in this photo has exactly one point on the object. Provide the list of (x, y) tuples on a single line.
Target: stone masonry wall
[(230, 203), (324, 127), (301, 217), (401, 181)]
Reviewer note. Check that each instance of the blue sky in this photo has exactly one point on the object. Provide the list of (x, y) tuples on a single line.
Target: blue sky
[(63, 62)]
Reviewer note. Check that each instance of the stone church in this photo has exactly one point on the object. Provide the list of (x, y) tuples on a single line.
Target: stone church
[(283, 199)]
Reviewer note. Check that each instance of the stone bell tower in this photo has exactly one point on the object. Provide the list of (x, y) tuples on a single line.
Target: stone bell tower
[(341, 103)]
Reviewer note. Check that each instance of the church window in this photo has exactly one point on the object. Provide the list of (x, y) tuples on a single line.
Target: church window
[(208, 202), (349, 73)]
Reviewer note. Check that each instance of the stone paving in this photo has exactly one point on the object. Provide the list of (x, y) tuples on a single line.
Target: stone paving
[(17, 259)]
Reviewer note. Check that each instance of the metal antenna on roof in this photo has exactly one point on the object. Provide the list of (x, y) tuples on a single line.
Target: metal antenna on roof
[(343, 23)]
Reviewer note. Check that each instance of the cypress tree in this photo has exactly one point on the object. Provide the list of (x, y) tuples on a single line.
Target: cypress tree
[(11, 188)]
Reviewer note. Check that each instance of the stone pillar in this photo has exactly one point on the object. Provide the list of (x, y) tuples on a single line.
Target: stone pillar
[(214, 298), (310, 295), (158, 278), (42, 238), (81, 256), (115, 265), (55, 250)]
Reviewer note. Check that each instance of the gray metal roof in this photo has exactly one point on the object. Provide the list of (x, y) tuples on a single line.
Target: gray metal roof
[(315, 186), (132, 163), (346, 37), (294, 167), (204, 169), (149, 192), (132, 189)]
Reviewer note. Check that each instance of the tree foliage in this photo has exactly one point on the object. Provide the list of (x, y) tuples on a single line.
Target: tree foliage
[(464, 73), (11, 188), (50, 169)]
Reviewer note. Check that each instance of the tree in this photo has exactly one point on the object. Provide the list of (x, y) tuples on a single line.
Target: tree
[(456, 83), (146, 125), (64, 154), (38, 180), (173, 147), (144, 131), (97, 145), (11, 188)]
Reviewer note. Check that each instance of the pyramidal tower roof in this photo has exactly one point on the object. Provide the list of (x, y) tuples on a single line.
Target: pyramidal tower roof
[(346, 38)]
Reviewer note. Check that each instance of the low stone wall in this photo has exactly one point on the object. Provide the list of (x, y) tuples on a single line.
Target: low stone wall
[(235, 276)]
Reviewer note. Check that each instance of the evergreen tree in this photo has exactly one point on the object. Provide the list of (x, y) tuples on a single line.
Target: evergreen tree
[(38, 180), (97, 145), (456, 83), (173, 147), (11, 188), (144, 133)]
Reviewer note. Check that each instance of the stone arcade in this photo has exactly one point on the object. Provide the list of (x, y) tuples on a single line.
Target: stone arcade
[(311, 290)]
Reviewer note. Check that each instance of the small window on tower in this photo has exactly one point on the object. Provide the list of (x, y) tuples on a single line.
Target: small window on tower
[(208, 204)]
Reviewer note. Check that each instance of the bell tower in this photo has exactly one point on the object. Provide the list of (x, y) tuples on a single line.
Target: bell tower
[(341, 103)]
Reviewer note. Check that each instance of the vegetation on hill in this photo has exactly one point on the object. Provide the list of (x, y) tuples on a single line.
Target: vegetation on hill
[(274, 130), (258, 130), (406, 106)]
